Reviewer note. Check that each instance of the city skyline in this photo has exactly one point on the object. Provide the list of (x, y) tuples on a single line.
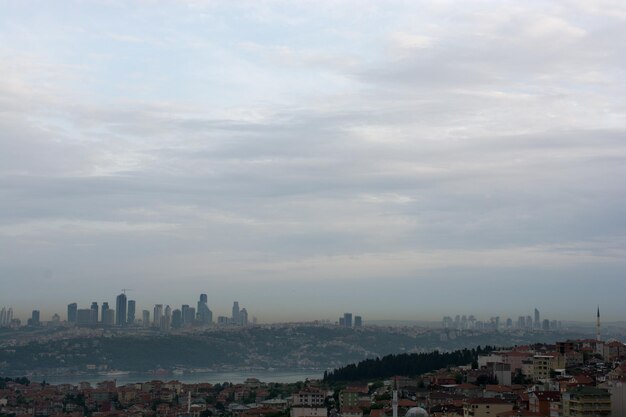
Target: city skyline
[(392, 158), (214, 314)]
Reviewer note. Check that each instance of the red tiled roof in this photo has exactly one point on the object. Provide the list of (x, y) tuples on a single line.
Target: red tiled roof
[(519, 413), (498, 388), (552, 396), (487, 401)]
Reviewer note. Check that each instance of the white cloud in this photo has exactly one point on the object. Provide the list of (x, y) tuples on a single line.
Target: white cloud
[(335, 141), (409, 41)]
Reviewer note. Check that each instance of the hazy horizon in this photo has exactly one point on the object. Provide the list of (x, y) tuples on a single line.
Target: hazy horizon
[(399, 160)]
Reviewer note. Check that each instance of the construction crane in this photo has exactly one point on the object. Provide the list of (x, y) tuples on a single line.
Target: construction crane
[(126, 289)]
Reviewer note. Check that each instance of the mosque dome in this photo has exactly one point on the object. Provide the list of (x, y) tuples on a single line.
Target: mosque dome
[(416, 412)]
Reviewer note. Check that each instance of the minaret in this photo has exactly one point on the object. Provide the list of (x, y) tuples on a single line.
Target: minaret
[(394, 401), (598, 325)]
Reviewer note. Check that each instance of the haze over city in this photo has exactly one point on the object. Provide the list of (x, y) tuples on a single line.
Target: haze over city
[(401, 160)]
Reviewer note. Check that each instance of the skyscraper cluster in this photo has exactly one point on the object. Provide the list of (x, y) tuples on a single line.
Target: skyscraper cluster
[(346, 321), (164, 318), (161, 317), (523, 322), (104, 315), (6, 317)]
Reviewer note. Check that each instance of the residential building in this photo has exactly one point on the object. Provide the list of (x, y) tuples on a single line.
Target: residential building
[(587, 402), (543, 401), (349, 397), (485, 407), (309, 402), (542, 365), (617, 390)]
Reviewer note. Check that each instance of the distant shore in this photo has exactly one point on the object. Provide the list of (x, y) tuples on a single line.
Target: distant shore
[(282, 376)]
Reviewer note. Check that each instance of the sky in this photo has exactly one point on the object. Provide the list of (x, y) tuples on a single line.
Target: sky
[(395, 159)]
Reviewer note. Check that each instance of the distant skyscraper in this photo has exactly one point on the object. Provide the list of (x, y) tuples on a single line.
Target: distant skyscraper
[(205, 315), (347, 319), (537, 319), (35, 318), (184, 311), (243, 317), (6, 317), (108, 317), (83, 317), (145, 318), (529, 322), (166, 323), (121, 310), (94, 313), (158, 314), (131, 311), (235, 313), (358, 321), (103, 312), (189, 315), (71, 312), (177, 319)]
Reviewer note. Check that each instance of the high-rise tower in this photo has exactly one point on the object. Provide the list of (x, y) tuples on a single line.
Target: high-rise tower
[(205, 315), (347, 319), (132, 305), (235, 313), (71, 312), (120, 308), (94, 313), (103, 312), (158, 314)]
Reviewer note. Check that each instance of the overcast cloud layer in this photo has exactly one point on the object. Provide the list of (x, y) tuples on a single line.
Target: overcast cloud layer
[(395, 159)]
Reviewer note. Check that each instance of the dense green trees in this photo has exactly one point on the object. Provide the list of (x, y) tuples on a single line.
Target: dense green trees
[(21, 380), (404, 364)]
